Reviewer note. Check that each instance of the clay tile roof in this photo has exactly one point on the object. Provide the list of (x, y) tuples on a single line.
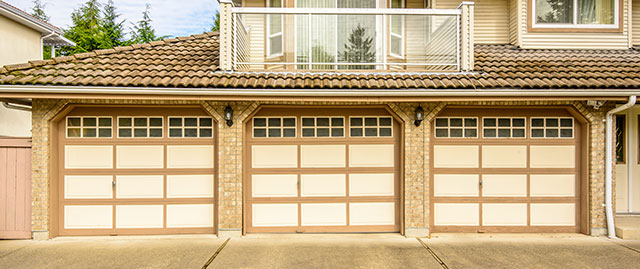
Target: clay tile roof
[(192, 62)]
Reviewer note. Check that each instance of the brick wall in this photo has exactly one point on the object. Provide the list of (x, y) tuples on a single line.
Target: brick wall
[(230, 156)]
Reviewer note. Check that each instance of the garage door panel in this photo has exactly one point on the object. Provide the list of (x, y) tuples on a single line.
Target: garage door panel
[(456, 185), (371, 184), (139, 216), (135, 157), (459, 214), (88, 187), (190, 216), (274, 215), (324, 214), (190, 186), (456, 156), (280, 185), (88, 157), (274, 156), (553, 156), (88, 217), (504, 214), (553, 214), (190, 156), (316, 156), (504, 185), (372, 213), (371, 156), (147, 186), (553, 185), (323, 185), (504, 156)]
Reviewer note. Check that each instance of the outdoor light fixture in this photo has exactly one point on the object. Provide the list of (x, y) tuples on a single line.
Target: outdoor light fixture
[(228, 116), (419, 116)]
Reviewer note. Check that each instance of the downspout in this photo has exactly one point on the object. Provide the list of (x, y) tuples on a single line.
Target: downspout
[(608, 165)]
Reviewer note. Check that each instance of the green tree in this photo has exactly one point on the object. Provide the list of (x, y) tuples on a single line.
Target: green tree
[(38, 11), (359, 49), (113, 30), (143, 32), (86, 31), (216, 22)]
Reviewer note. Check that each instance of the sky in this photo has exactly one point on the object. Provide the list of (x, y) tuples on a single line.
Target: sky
[(170, 17)]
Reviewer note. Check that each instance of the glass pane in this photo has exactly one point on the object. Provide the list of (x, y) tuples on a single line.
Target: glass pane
[(537, 133), (322, 121), (323, 132), (456, 133), (308, 132), (455, 122), (259, 133), (386, 132), (155, 122), (470, 133), (442, 133), (337, 132), (289, 122), (504, 122), (124, 132), (206, 122), (275, 122), (518, 122), (155, 132), (396, 24), (275, 24), (356, 122), (275, 133), (289, 132), (104, 122), (140, 122), (552, 133), (554, 11), (356, 132), (371, 122), (175, 121), (89, 121), (104, 132), (190, 132), (139, 132), (566, 133), (337, 122), (596, 12), (504, 133), (537, 122), (275, 45), (91, 132), (73, 132), (308, 122), (396, 45), (371, 132), (275, 3), (206, 132), (73, 121), (518, 132), (552, 122), (470, 122), (385, 121), (442, 122), (566, 122), (260, 122), (491, 122), (489, 132), (190, 121), (175, 132)]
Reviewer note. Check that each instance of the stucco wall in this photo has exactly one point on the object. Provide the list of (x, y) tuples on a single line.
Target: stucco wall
[(15, 123), (19, 43)]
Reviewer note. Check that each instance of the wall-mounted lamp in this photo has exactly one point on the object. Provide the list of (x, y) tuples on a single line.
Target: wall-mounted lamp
[(419, 116), (228, 116)]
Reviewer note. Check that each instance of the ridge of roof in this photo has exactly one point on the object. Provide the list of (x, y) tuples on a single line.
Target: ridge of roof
[(24, 13), (101, 52)]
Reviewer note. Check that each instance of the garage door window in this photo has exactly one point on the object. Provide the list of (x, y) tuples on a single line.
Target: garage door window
[(503, 127), (190, 127), (322, 126), (551, 127), (371, 126), (140, 127), (274, 127), (89, 127), (456, 127)]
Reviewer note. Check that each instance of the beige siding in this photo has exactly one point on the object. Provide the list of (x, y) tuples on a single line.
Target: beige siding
[(513, 22), (574, 40), (635, 24), (491, 20), (19, 43)]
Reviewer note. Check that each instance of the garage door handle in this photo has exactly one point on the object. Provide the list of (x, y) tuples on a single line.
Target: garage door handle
[(480, 183), (113, 184)]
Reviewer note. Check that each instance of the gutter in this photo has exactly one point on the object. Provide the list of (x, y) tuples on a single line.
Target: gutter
[(20, 89), (16, 104), (608, 180)]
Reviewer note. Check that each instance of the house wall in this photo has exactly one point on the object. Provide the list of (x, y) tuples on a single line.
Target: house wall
[(635, 23), (416, 162), (491, 20), (629, 188), (19, 43), (14, 123)]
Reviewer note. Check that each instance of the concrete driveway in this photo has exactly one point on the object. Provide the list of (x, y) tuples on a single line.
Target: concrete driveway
[(324, 251)]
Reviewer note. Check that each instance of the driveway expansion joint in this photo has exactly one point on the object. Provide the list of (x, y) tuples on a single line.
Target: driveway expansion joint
[(215, 254), (433, 254)]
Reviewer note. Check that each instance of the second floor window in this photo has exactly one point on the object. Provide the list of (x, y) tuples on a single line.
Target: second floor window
[(575, 13)]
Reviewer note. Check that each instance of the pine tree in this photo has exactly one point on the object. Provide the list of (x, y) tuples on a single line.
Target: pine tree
[(143, 32), (86, 30), (38, 11), (216, 22), (112, 29), (359, 49)]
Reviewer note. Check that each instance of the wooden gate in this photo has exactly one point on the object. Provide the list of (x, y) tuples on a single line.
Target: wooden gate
[(15, 188)]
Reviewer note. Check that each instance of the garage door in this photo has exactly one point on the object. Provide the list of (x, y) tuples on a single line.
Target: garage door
[(499, 170), (322, 170), (136, 171)]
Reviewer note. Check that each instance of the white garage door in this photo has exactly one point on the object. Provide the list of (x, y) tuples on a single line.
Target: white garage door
[(505, 170), (322, 170), (136, 171)]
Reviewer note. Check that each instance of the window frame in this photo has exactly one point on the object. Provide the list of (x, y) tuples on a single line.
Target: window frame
[(616, 27), (198, 127), (402, 32), (82, 127), (282, 127), (544, 128), (463, 127), (511, 127), (270, 36), (364, 127), (315, 127), (133, 127)]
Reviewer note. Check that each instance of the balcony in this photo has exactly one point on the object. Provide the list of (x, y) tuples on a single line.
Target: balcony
[(346, 39)]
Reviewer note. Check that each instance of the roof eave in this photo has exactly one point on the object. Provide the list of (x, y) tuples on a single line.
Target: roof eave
[(16, 15)]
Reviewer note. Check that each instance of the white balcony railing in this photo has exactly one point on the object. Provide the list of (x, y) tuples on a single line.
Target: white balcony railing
[(332, 39)]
